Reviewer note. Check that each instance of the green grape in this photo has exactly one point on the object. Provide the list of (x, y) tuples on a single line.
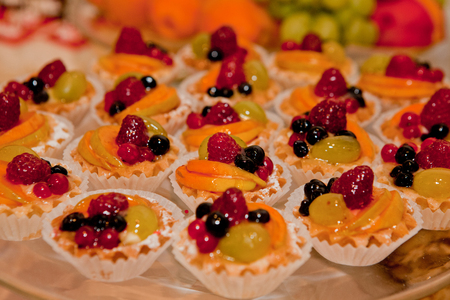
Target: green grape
[(434, 183), (256, 74), (337, 149), (7, 153), (250, 110), (363, 7), (329, 210), (295, 27), (141, 220), (23, 106), (361, 31), (280, 10), (376, 64), (126, 75), (307, 3), (203, 149), (326, 27), (70, 86), (201, 45), (334, 51), (246, 242), (333, 4), (153, 127), (239, 141), (345, 16)]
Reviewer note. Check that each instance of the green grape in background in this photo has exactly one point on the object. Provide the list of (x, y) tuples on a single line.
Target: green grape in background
[(376, 64), (363, 7), (345, 16), (334, 51), (307, 3), (333, 4), (326, 27), (361, 31), (280, 10), (295, 27), (201, 45)]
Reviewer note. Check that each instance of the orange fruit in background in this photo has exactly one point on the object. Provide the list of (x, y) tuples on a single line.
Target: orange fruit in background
[(127, 13)]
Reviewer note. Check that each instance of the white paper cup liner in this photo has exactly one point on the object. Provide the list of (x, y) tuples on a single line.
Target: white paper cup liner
[(106, 270), (248, 285), (437, 220), (140, 182), (14, 228), (362, 255), (193, 202)]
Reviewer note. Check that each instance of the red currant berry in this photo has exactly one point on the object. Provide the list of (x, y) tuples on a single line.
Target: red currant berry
[(85, 237), (196, 229), (351, 105), (262, 173), (426, 143), (414, 146), (289, 46), (58, 183), (437, 75), (206, 243), (129, 153), (412, 132), (268, 164), (146, 154), (41, 190), (388, 152), (108, 238), (409, 119), (296, 137), (195, 121), (167, 60)]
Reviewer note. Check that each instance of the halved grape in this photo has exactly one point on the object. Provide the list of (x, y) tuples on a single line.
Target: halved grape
[(256, 74), (153, 127), (326, 27), (376, 64), (295, 27), (329, 210), (7, 153), (141, 220), (433, 183), (334, 51), (23, 106), (361, 31), (250, 110), (201, 44), (70, 86), (337, 149)]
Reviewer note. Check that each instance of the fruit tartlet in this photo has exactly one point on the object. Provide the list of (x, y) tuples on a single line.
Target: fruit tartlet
[(112, 235), (246, 120), (241, 250), (31, 187), (399, 80), (136, 154), (132, 54), (423, 174), (352, 220), (56, 90), (417, 122), (323, 143), (303, 64), (46, 133), (206, 49), (143, 96), (224, 161), (331, 85)]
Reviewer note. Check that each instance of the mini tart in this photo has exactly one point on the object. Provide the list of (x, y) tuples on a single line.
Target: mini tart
[(297, 101), (313, 65), (47, 134), (244, 280), (196, 87), (305, 168), (278, 184), (120, 263), (171, 120), (363, 247), (24, 221)]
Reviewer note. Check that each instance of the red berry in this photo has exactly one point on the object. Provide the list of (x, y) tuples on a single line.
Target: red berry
[(231, 72), (58, 183), (262, 173), (414, 146), (311, 42), (356, 186), (167, 60), (412, 132), (232, 204), (27, 169), (388, 152), (41, 190), (51, 72), (296, 137), (330, 114), (196, 229), (9, 111), (298, 118), (129, 153), (423, 74), (224, 39), (290, 45), (435, 155), (436, 75), (409, 119), (146, 154), (195, 120), (107, 204), (332, 84), (220, 114), (426, 143), (268, 164), (85, 237), (132, 130), (437, 109), (351, 105), (20, 90), (222, 148), (110, 98), (129, 91), (130, 41), (401, 66), (155, 52), (108, 238), (206, 243)]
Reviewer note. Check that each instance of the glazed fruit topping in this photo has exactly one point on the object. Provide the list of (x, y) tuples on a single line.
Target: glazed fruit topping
[(435, 155), (259, 216), (437, 109), (315, 134), (9, 111), (225, 40), (149, 82), (58, 183), (51, 72), (232, 205), (195, 120), (73, 222), (231, 73), (159, 144), (313, 189), (290, 46), (332, 84), (356, 186), (388, 152), (27, 169), (129, 91), (220, 114), (133, 130), (108, 204), (19, 90), (329, 114), (311, 42), (404, 153), (223, 148), (403, 66)]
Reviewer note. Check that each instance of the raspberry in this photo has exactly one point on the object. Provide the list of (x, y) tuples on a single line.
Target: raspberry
[(290, 45), (332, 84), (9, 111), (27, 169), (130, 41), (311, 42), (356, 186), (20, 90), (231, 72), (110, 98), (401, 66), (435, 155), (232, 204), (224, 39), (329, 114), (437, 109), (134, 131), (129, 91), (107, 204), (222, 148), (195, 120), (426, 143), (220, 114), (51, 72)]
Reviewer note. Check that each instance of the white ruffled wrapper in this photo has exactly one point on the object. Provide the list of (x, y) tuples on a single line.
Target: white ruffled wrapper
[(362, 255), (140, 182), (248, 285), (20, 228), (106, 270), (437, 220), (177, 117), (193, 202)]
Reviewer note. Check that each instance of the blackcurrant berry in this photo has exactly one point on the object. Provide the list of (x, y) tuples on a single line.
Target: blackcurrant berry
[(116, 108), (404, 153), (404, 179), (203, 209), (255, 153), (215, 55), (259, 216), (149, 82), (315, 134), (73, 221), (395, 171), (356, 93), (439, 131), (99, 222), (300, 148), (214, 92), (345, 132), (314, 185), (410, 166), (59, 169), (246, 163), (245, 88), (118, 223), (301, 126), (225, 92), (35, 84), (217, 224), (206, 110), (304, 207), (330, 183), (40, 97), (159, 144)]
